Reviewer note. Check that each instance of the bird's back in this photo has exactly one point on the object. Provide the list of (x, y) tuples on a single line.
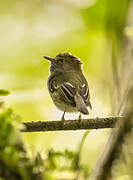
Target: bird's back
[(70, 86)]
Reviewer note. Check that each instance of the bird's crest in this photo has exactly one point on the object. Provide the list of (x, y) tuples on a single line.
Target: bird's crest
[(69, 55)]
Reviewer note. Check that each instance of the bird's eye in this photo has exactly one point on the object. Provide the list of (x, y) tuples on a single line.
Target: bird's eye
[(78, 61), (61, 61)]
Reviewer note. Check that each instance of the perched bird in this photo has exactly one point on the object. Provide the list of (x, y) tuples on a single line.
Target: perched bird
[(67, 85)]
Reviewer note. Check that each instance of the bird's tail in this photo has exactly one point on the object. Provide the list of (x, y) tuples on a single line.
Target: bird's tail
[(81, 104)]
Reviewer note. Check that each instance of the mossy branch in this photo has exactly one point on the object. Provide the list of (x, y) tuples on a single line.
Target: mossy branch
[(93, 123)]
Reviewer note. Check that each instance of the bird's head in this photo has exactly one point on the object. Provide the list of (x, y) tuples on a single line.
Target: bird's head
[(64, 62)]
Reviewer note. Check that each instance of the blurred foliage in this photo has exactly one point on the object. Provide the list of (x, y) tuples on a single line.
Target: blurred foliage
[(14, 163), (123, 166), (90, 29), (4, 92), (65, 161)]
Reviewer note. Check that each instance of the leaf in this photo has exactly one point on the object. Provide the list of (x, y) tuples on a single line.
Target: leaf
[(4, 92)]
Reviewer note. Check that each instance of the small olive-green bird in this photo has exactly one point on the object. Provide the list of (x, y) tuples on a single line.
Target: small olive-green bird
[(67, 85)]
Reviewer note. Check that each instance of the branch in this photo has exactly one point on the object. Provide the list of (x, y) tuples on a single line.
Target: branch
[(94, 123)]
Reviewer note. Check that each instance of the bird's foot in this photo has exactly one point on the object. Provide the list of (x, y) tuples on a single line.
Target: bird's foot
[(63, 119), (79, 118)]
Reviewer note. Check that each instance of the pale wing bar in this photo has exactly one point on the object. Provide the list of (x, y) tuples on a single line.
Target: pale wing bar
[(84, 92), (69, 91)]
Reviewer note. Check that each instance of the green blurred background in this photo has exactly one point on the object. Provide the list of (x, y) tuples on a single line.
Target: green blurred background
[(31, 29)]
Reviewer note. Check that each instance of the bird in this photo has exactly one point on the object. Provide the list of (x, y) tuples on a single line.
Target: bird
[(67, 84)]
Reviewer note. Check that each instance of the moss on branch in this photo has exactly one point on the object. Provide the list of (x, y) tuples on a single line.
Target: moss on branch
[(94, 123)]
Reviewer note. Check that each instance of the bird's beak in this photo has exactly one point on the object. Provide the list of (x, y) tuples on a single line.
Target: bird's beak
[(49, 58)]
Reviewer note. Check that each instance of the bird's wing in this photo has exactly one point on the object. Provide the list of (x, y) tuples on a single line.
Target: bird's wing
[(69, 90), (84, 92), (71, 94), (81, 106), (66, 90)]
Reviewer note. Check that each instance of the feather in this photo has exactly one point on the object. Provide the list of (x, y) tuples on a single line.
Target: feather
[(84, 92), (81, 106), (69, 92)]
